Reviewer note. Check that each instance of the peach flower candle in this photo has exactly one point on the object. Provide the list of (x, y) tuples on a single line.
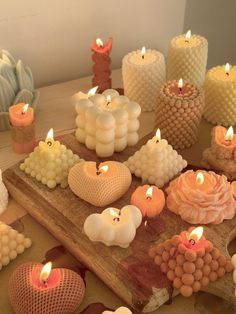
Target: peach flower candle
[(22, 128), (149, 199), (114, 227), (50, 162), (99, 185), (34, 288), (201, 197), (221, 156), (190, 261), (220, 92)]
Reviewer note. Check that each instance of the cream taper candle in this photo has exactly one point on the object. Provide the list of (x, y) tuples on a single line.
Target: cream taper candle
[(143, 73), (187, 58)]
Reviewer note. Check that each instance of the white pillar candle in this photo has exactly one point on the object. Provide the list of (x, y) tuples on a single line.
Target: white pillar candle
[(187, 58), (220, 95), (143, 73), (107, 122)]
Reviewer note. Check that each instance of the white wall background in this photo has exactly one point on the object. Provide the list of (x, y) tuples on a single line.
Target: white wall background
[(54, 36)]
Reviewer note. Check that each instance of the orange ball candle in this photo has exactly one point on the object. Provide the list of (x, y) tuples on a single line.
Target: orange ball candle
[(149, 199)]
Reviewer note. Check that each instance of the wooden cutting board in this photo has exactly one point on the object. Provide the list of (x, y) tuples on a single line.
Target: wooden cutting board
[(128, 272)]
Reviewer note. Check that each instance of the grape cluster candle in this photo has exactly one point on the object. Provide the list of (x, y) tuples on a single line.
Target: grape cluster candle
[(35, 288), (201, 197), (102, 61), (221, 156), (143, 73), (3, 195), (190, 261), (99, 185), (156, 162), (107, 122), (114, 227), (50, 162), (187, 58), (21, 118), (220, 92), (179, 112)]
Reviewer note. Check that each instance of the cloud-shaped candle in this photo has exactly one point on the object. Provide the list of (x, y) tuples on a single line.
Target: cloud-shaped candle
[(114, 227), (120, 310)]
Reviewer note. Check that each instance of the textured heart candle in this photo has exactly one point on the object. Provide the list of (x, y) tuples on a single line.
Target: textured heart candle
[(36, 289), (179, 112), (143, 73), (187, 58), (190, 261), (220, 93)]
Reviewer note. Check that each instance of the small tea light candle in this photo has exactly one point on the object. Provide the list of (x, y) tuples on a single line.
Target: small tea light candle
[(120, 310), (45, 290), (114, 227), (190, 261), (149, 199)]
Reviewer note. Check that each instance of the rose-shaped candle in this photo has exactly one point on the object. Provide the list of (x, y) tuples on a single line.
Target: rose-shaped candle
[(201, 197)]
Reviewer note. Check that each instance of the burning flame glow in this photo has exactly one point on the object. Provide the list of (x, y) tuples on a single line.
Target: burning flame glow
[(158, 134), (113, 213), (143, 52), (25, 108), (99, 42), (196, 234), (45, 272), (109, 98), (227, 68), (50, 134), (200, 178), (180, 83), (92, 91), (149, 192), (229, 134), (188, 34), (104, 168)]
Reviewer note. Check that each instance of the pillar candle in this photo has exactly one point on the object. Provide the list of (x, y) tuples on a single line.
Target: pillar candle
[(187, 58), (220, 93), (102, 61), (143, 73), (22, 128), (179, 112)]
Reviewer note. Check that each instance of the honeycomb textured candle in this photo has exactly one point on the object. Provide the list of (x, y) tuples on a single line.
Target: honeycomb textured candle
[(220, 94), (142, 77), (187, 59), (179, 113)]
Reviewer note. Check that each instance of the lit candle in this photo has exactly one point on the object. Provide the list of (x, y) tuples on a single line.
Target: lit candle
[(21, 118), (45, 290), (99, 185), (114, 227), (220, 95), (50, 162), (201, 197), (187, 58), (102, 61), (143, 73), (149, 199), (120, 310)]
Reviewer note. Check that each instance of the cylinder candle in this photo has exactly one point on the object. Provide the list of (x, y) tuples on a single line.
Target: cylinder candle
[(22, 128), (179, 112), (220, 93), (187, 58), (102, 61), (143, 73)]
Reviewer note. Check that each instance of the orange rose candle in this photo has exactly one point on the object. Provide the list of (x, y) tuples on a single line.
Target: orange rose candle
[(34, 288), (22, 128), (149, 199), (102, 60)]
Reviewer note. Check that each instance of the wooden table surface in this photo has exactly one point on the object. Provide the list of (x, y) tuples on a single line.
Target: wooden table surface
[(56, 110)]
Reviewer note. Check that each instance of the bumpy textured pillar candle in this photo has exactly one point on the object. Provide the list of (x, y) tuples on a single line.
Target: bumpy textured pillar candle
[(220, 92), (179, 113), (143, 73), (187, 58)]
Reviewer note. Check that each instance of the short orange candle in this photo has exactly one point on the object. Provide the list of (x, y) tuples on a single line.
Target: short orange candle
[(149, 199), (21, 115)]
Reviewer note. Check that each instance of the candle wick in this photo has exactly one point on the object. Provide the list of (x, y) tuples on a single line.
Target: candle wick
[(98, 172), (186, 40), (148, 198), (192, 241), (49, 143), (143, 56), (180, 90), (116, 219), (227, 73)]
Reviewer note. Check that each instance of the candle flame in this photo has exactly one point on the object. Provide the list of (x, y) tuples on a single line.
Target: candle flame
[(99, 42), (200, 178), (158, 134), (149, 192), (180, 83), (109, 98), (45, 272), (50, 134), (92, 91), (104, 168), (229, 134), (113, 213), (196, 234), (227, 68), (188, 34), (25, 108), (145, 223), (143, 52)]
